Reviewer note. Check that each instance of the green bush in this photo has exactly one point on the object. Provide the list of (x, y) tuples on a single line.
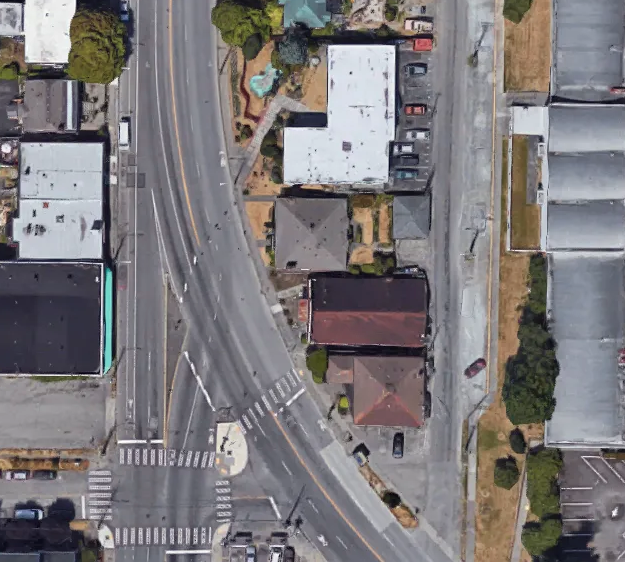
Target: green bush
[(517, 441), (9, 72), (389, 264), (543, 467), (390, 12), (270, 151), (246, 132), (354, 269), (343, 405), (537, 538), (317, 361), (367, 268), (391, 499), (304, 338), (514, 10), (276, 174), (293, 49), (252, 46), (506, 473), (318, 378), (98, 49)]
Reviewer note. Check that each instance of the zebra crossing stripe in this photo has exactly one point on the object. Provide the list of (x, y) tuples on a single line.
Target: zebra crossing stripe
[(117, 536), (99, 480), (100, 473), (279, 388), (155, 535), (222, 482), (187, 535), (196, 459), (153, 457), (266, 402), (204, 459), (100, 495), (179, 536), (137, 453), (222, 490), (163, 536), (132, 535), (223, 506), (259, 410), (188, 461), (161, 457), (273, 395), (99, 502), (148, 535), (291, 379), (211, 460), (140, 535), (145, 457), (180, 458), (125, 536), (224, 513), (122, 456), (203, 539), (283, 381), (171, 536), (103, 488), (247, 422), (243, 430), (195, 533)]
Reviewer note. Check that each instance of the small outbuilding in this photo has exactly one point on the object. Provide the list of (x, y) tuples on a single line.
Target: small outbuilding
[(411, 216)]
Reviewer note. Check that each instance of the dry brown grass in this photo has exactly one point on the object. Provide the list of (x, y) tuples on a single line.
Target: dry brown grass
[(524, 217), (259, 212), (361, 255), (259, 181), (384, 230), (496, 508), (315, 87), (264, 256), (364, 217), (527, 50), (12, 51)]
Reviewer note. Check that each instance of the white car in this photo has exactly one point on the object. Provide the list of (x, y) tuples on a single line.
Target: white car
[(123, 10), (417, 134)]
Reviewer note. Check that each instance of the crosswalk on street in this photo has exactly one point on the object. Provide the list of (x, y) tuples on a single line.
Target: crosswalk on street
[(100, 495), (141, 456), (163, 536), (223, 499)]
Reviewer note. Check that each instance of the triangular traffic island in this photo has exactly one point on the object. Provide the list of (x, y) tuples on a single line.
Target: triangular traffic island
[(231, 454)]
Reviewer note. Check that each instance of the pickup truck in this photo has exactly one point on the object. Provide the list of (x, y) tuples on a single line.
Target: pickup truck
[(418, 25), (400, 148)]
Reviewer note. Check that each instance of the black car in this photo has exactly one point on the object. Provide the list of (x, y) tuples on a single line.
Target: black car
[(398, 445), (44, 474), (408, 160)]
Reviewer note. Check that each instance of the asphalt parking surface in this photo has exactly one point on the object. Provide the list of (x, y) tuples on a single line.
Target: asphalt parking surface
[(414, 89), (592, 497)]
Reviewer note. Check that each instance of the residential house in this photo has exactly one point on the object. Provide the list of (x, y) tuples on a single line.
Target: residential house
[(311, 13), (411, 216)]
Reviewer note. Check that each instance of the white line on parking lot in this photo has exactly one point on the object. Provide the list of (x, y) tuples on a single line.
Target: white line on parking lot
[(578, 488), (183, 552), (84, 509), (613, 470), (594, 470)]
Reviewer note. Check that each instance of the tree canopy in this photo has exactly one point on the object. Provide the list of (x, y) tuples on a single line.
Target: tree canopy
[(540, 537), (98, 46), (293, 49), (506, 473), (543, 467), (317, 361), (238, 22), (517, 441)]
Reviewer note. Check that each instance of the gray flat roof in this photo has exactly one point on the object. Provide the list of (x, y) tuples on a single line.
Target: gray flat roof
[(586, 295), (11, 19), (588, 52), (46, 30), (597, 225), (589, 176), (578, 128), (50, 106), (51, 318)]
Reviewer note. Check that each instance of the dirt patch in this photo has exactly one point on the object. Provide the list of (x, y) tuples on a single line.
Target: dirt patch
[(259, 212), (496, 508), (384, 233), (264, 256), (315, 86), (361, 255), (524, 217), (259, 181), (12, 51), (252, 68), (527, 50), (364, 217)]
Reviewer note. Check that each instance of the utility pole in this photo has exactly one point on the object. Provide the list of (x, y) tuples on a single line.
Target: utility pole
[(287, 521)]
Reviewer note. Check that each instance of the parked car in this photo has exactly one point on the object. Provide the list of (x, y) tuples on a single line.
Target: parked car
[(398, 445), (400, 148), (408, 160), (44, 474), (123, 10), (415, 69), (360, 457), (250, 553), (17, 475), (401, 174), (475, 367), (418, 25), (422, 45), (415, 108), (417, 134), (31, 514)]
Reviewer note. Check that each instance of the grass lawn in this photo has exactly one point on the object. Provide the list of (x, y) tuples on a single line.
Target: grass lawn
[(525, 219), (496, 508), (527, 50)]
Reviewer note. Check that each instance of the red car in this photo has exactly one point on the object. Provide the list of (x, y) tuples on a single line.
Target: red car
[(475, 367), (415, 109)]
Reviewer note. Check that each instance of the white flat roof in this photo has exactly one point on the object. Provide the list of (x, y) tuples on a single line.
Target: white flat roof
[(46, 30), (61, 170), (530, 120), (59, 230), (11, 19), (354, 146)]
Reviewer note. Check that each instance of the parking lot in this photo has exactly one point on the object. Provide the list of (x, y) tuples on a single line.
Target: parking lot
[(592, 497), (413, 89)]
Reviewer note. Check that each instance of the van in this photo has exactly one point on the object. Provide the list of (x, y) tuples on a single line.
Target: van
[(124, 134)]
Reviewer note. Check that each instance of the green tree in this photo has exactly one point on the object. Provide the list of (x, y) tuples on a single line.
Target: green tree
[(276, 175), (391, 499), (98, 46), (317, 361), (506, 473), (514, 10), (517, 441), (293, 49), (237, 22), (252, 46), (543, 467), (537, 538)]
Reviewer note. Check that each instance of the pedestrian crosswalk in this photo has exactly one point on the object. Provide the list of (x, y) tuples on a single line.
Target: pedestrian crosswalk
[(100, 495), (223, 499), (281, 392), (141, 456), (163, 536)]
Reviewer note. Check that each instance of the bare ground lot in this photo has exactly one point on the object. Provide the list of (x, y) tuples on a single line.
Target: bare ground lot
[(527, 50), (525, 218), (52, 415), (259, 213)]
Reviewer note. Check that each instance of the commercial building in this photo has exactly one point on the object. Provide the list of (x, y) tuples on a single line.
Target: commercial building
[(11, 19), (46, 31), (353, 148), (50, 106), (311, 234), (370, 311), (60, 208)]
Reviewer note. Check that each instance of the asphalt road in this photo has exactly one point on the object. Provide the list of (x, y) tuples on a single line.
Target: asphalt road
[(233, 341)]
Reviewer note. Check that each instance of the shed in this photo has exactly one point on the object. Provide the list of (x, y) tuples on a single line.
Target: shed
[(411, 216)]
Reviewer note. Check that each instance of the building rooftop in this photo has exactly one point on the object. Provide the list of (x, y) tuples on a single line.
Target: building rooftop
[(51, 318), (312, 13), (311, 234), (340, 369), (354, 146), (46, 30), (361, 311), (50, 106), (389, 391), (11, 19), (411, 217)]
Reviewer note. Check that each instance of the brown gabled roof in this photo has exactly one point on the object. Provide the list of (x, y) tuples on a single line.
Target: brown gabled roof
[(340, 369), (389, 391), (388, 311)]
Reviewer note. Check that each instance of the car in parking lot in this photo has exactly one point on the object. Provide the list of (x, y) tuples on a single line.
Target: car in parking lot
[(123, 10), (407, 160), (400, 148), (30, 514), (250, 553), (44, 474), (398, 445), (401, 174), (415, 108), (474, 368), (417, 134), (415, 69), (17, 475)]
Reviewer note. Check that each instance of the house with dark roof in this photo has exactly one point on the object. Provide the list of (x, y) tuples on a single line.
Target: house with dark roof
[(311, 234), (387, 391), (312, 13), (411, 217), (369, 311)]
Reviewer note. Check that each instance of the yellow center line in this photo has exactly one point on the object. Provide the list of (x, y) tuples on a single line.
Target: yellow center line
[(175, 116), (323, 491)]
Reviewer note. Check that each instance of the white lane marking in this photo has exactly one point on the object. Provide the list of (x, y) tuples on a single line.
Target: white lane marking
[(259, 410), (211, 437), (204, 459), (196, 459), (295, 396), (274, 506), (344, 545), (188, 461), (199, 382), (266, 402), (125, 536), (273, 395), (211, 460), (132, 535), (145, 457), (279, 388), (287, 468)]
